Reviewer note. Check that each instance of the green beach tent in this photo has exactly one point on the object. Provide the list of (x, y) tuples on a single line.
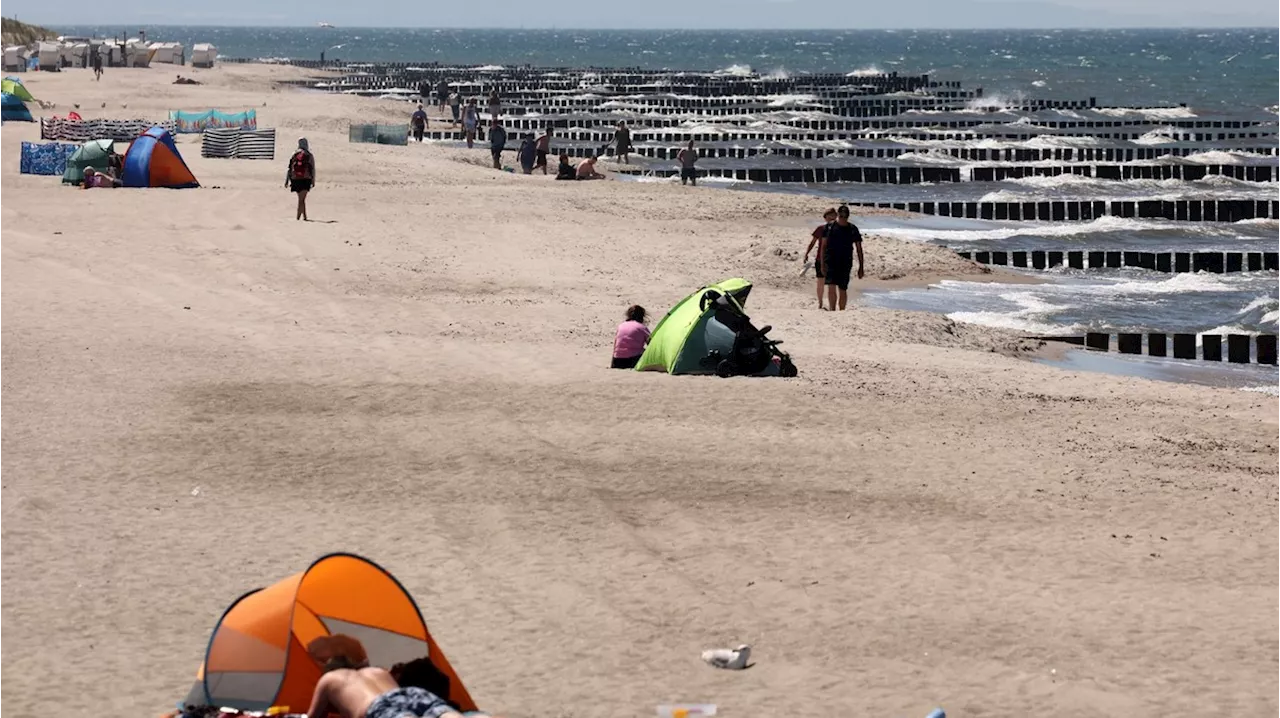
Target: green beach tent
[(14, 87), (94, 153), (690, 331)]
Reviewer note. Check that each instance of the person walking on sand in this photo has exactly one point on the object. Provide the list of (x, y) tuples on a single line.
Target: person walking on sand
[(301, 176), (495, 105), (688, 158), (842, 240), (442, 96), (455, 107), (419, 122), (526, 155), (543, 149), (497, 141), (470, 120), (622, 142), (819, 240), (97, 63)]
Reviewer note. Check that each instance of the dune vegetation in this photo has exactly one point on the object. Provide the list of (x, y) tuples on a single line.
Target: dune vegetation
[(20, 33)]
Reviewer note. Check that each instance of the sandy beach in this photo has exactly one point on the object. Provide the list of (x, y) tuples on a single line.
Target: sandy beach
[(201, 395)]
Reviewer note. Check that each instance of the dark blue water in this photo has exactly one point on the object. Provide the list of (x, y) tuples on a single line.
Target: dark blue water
[(1204, 68)]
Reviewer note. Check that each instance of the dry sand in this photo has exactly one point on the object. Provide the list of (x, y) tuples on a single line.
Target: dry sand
[(202, 395)]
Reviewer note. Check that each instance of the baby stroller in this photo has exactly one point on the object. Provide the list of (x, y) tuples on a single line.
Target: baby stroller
[(752, 353)]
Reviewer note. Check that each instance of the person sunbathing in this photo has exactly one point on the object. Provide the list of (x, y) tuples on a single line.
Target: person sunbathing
[(587, 169), (94, 178), (351, 688)]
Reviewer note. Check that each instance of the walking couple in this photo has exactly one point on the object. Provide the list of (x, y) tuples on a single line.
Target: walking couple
[(837, 241)]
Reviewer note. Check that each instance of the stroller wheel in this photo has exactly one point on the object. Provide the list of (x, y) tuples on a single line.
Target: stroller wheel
[(788, 370), (724, 369)]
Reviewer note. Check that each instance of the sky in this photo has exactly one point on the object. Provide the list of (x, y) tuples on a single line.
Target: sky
[(661, 14)]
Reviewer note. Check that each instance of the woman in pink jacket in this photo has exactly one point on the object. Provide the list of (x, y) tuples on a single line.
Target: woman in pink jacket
[(631, 339)]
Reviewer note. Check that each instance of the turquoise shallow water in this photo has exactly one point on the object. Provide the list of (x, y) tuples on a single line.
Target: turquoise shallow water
[(1210, 67)]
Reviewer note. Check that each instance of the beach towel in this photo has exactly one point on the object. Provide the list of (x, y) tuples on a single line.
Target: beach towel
[(45, 159)]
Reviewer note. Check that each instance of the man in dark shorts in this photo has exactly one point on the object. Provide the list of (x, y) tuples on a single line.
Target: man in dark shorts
[(442, 95), (497, 141), (819, 240), (688, 158), (842, 240), (419, 122), (622, 142), (543, 147)]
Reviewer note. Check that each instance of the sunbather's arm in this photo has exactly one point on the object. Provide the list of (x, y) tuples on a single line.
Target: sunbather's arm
[(320, 700)]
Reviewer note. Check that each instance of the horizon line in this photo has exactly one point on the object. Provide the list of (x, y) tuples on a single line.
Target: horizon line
[(54, 25)]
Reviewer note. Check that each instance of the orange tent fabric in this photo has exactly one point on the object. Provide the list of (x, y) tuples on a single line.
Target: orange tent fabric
[(257, 656)]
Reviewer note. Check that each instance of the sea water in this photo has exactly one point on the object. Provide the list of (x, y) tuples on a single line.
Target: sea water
[(1201, 67)]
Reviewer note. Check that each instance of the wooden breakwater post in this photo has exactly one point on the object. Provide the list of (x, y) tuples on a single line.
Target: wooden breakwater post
[(1241, 348), (1207, 210), (1166, 262)]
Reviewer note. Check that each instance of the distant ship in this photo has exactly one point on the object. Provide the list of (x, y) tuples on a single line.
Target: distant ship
[(324, 24)]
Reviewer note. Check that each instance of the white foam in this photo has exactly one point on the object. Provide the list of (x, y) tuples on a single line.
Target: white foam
[(1266, 308), (1260, 303), (1048, 229), (1027, 318), (1177, 284), (868, 71), (785, 100), (1003, 195), (993, 102), (1055, 181), (1272, 390), (1226, 329), (927, 157), (1013, 321), (1216, 157)]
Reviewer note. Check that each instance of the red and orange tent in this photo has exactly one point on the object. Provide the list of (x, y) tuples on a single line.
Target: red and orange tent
[(257, 656)]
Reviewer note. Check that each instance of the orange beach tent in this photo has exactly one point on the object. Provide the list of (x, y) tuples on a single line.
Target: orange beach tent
[(257, 656)]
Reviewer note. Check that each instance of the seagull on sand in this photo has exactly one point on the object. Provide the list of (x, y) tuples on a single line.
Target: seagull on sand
[(733, 659)]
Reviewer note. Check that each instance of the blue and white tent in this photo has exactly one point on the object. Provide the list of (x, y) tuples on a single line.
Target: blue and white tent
[(13, 109)]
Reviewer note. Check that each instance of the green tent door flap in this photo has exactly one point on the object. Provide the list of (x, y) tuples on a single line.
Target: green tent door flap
[(689, 331), (94, 153), (14, 87)]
